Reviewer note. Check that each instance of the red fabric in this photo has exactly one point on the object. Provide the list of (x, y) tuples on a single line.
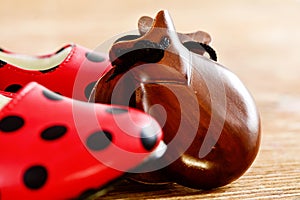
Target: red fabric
[(72, 167), (70, 78), (7, 94)]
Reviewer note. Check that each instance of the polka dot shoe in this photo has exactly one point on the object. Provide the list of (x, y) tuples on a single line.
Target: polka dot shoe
[(72, 71), (54, 147)]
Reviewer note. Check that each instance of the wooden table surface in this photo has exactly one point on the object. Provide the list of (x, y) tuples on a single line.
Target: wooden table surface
[(257, 40)]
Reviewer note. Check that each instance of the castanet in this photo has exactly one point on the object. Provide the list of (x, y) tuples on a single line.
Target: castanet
[(210, 121)]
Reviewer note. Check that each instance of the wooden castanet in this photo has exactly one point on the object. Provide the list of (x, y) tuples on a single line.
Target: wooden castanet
[(200, 37), (210, 122), (145, 24)]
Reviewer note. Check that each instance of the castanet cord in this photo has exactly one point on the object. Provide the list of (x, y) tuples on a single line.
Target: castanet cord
[(191, 45)]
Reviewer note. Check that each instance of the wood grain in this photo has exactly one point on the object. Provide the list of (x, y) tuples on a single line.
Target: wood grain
[(257, 40), (202, 101)]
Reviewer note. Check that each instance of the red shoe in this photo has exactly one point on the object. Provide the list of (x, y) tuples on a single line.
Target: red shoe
[(72, 71), (53, 147)]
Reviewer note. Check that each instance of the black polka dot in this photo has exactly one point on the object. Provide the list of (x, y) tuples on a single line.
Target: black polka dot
[(13, 88), (87, 194), (11, 123), (99, 140), (94, 57), (35, 177), (149, 139), (52, 95), (89, 88), (116, 110), (2, 63), (54, 132)]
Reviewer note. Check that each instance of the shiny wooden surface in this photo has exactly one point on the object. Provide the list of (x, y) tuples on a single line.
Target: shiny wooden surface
[(257, 40), (209, 120)]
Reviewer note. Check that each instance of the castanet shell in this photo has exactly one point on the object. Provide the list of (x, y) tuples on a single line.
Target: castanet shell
[(210, 121), (237, 143)]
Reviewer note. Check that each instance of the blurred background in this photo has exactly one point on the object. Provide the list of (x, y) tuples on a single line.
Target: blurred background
[(259, 40), (254, 38)]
